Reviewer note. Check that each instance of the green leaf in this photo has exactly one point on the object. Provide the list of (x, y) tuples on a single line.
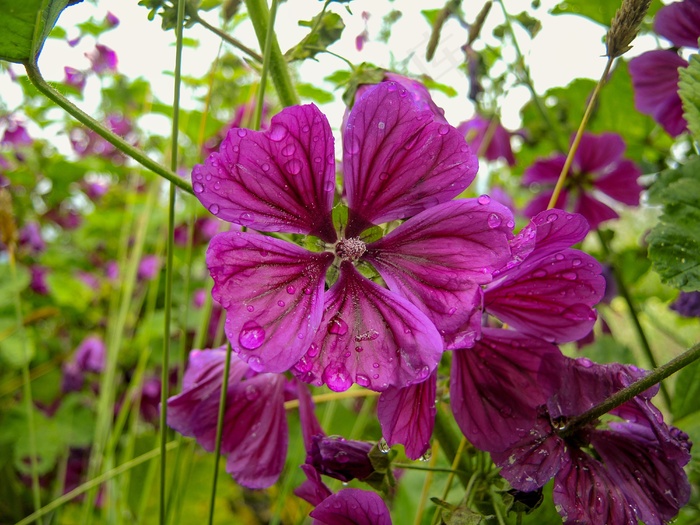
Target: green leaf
[(530, 24), (686, 397), (9, 287), (601, 11), (326, 28), (674, 244), (70, 291), (689, 91), (25, 25), (309, 91)]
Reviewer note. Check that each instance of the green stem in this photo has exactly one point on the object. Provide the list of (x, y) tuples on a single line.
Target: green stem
[(226, 37), (410, 466), (449, 442), (655, 376), (219, 431), (579, 133), (632, 307), (267, 54), (279, 72), (58, 502), (44, 87)]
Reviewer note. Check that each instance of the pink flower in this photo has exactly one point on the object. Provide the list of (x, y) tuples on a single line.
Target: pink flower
[(478, 129)]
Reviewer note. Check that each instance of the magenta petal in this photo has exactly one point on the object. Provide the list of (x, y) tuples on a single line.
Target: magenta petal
[(407, 416), (282, 179), (313, 489), (655, 81), (369, 336), (545, 171), (593, 210), (488, 381), (596, 152), (310, 426), (584, 492), (554, 230), (438, 258), (680, 23), (399, 160), (272, 292), (540, 203), (621, 183), (352, 507), (550, 297), (255, 431)]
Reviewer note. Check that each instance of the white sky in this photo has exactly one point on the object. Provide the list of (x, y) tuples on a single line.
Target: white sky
[(567, 47)]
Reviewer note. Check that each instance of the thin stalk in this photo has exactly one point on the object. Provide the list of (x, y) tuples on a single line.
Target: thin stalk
[(632, 307), (89, 485), (26, 385), (267, 50), (579, 133), (139, 156), (450, 478), (219, 431), (449, 442), (332, 396), (426, 485), (636, 388), (279, 72), (226, 37), (411, 466)]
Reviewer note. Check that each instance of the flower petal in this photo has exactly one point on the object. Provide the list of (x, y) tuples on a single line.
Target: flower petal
[(352, 507), (621, 183), (680, 23), (488, 381), (282, 179), (550, 297), (584, 492), (593, 210), (369, 336), (544, 171), (438, 258), (407, 416), (399, 160), (255, 431), (596, 152), (272, 292), (313, 489)]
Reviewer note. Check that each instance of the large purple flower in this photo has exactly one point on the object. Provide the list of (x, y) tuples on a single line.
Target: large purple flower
[(400, 162), (598, 173), (255, 427)]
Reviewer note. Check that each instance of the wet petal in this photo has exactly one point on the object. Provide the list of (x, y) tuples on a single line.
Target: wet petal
[(407, 416), (313, 489), (584, 492), (272, 292), (282, 179), (310, 426), (488, 381), (680, 23), (622, 183), (438, 258), (399, 160), (369, 336), (596, 152), (593, 210), (352, 507), (550, 297)]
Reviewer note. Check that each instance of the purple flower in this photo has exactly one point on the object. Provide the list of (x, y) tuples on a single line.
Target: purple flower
[(88, 279), (204, 229), (598, 169), (655, 81), (15, 133), (86, 142), (148, 267), (30, 238), (498, 146), (687, 304), (112, 270), (679, 22), (74, 78), (38, 279), (255, 426), (549, 289), (89, 356), (66, 218), (103, 59), (400, 162), (111, 20), (94, 190)]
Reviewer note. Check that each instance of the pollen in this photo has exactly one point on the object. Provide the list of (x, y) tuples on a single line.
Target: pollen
[(350, 249)]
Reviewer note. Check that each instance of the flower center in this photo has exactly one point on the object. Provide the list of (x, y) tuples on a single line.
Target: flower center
[(350, 249)]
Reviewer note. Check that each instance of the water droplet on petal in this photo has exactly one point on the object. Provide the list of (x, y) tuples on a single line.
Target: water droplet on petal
[(280, 304), (337, 326), (375, 365), (288, 150), (250, 308), (552, 217), (246, 218), (251, 336), (278, 132), (313, 350), (337, 377), (265, 167), (305, 129), (307, 291), (484, 199), (294, 166), (291, 289), (539, 273), (444, 129), (383, 175), (352, 145), (452, 311), (576, 262), (494, 220), (362, 380), (198, 187), (423, 372), (251, 392), (381, 125), (214, 208), (569, 276), (255, 363), (383, 446), (358, 349), (329, 185), (427, 455), (559, 257)]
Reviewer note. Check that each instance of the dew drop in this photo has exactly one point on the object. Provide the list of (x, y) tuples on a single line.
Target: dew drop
[(362, 380), (288, 150), (569, 276), (255, 363), (375, 365), (559, 257), (291, 289), (352, 145), (329, 185), (383, 175), (305, 129), (358, 349), (484, 199), (251, 336), (375, 376), (427, 455), (214, 208), (307, 291), (552, 217), (539, 273), (250, 308), (337, 377), (337, 326), (381, 125), (294, 166), (252, 393), (242, 132), (494, 220), (452, 311), (576, 262), (198, 187), (423, 372), (280, 304), (246, 218), (197, 176), (278, 132), (265, 167), (383, 446), (313, 350)]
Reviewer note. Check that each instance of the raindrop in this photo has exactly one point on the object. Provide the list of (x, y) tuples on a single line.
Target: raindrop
[(358, 349), (198, 176), (423, 372), (427, 455), (484, 199), (444, 129), (198, 187), (375, 365), (291, 289), (362, 380), (307, 291), (280, 304), (552, 217), (329, 185), (576, 262), (246, 217), (214, 208), (452, 311), (265, 167), (251, 336), (381, 125), (278, 132), (383, 446), (242, 132), (305, 129), (569, 276), (559, 257), (383, 175), (337, 377), (494, 221), (294, 166), (252, 393), (352, 145), (313, 350), (539, 273), (288, 150), (255, 363), (208, 176), (250, 308), (337, 326)]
